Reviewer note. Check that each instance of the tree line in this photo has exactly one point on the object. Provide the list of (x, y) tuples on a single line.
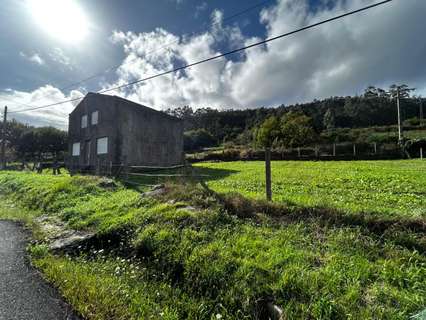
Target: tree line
[(328, 119), (29, 143), (335, 119)]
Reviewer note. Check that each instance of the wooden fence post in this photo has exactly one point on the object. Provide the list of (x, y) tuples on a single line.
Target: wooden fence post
[(334, 149), (298, 151), (375, 147), (268, 174), (126, 168), (354, 150), (3, 134), (98, 167), (421, 153)]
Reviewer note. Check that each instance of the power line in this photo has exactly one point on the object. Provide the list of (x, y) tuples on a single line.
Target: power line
[(15, 102), (219, 55), (167, 45)]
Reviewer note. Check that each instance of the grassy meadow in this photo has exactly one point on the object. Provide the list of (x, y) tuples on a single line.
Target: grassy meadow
[(187, 255), (388, 188)]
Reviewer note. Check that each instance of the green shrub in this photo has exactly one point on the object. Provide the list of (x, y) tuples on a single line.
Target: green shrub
[(38, 251)]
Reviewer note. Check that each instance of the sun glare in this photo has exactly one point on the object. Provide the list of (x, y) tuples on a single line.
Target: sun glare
[(62, 19)]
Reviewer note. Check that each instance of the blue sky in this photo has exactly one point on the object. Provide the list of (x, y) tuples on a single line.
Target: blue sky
[(96, 53), (83, 38)]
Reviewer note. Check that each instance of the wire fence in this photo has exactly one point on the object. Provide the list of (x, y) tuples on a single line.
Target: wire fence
[(149, 176), (145, 176), (336, 151)]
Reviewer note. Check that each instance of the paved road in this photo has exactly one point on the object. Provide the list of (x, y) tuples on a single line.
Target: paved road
[(24, 295)]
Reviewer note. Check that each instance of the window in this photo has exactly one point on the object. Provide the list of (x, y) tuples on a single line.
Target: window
[(95, 117), (102, 145), (76, 149), (84, 121)]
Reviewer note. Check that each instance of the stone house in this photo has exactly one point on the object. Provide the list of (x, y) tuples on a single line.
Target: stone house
[(108, 131)]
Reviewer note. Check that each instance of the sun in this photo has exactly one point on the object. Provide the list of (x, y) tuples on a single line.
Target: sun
[(62, 19)]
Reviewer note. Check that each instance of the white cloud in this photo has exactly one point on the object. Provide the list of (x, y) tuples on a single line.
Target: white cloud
[(34, 58), (343, 57), (59, 56), (206, 84), (55, 116)]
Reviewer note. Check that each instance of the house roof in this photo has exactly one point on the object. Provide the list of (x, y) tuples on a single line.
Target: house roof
[(129, 103)]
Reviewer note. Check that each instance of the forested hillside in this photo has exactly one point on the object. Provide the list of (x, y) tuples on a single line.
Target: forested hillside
[(374, 108)]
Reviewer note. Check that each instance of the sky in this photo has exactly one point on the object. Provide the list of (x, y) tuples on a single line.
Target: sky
[(48, 45)]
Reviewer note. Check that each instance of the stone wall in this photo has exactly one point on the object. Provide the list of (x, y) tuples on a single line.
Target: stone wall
[(137, 135)]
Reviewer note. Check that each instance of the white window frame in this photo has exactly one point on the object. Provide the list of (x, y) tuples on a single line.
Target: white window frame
[(76, 149), (94, 119), (84, 121), (102, 145)]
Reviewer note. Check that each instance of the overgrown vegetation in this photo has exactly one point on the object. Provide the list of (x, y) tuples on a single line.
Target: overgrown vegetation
[(185, 255)]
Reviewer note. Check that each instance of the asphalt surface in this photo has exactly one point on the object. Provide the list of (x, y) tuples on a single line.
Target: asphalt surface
[(24, 295)]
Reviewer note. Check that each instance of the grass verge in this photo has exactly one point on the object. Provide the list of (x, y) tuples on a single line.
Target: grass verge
[(183, 256)]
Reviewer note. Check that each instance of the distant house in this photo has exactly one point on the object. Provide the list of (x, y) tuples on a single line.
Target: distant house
[(108, 131)]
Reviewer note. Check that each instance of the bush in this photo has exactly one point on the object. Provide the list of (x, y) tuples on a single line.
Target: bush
[(198, 139), (38, 251), (412, 122)]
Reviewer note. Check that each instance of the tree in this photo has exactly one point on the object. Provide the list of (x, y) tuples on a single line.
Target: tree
[(404, 91), (51, 140), (181, 112), (266, 135), (268, 132), (27, 145), (198, 139), (382, 93), (329, 121), (371, 92), (14, 130), (38, 141), (297, 129)]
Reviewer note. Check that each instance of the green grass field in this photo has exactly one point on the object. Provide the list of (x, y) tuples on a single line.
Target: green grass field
[(390, 188), (171, 261)]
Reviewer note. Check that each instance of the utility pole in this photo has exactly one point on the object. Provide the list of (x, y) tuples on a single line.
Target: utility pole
[(399, 115), (399, 92), (3, 141)]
